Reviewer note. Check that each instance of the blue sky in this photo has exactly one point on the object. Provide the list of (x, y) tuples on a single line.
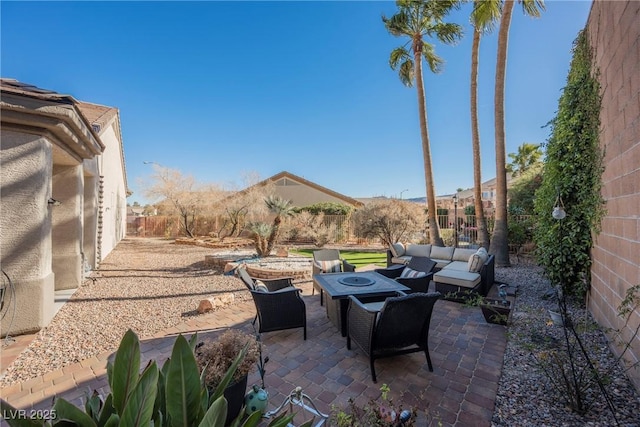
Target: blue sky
[(222, 89)]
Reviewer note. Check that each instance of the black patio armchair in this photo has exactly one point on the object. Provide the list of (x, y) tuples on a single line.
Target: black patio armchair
[(278, 303), (328, 261), (400, 326), (410, 274)]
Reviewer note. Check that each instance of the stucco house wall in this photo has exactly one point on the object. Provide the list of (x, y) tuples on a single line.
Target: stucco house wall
[(54, 168), (113, 189), (614, 32)]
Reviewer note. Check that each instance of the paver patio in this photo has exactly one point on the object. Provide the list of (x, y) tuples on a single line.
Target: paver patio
[(467, 356)]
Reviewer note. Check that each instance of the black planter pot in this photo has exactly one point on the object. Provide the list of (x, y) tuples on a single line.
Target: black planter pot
[(234, 393), (495, 312)]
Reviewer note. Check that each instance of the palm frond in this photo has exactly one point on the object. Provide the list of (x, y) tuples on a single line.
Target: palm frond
[(486, 14), (532, 7), (446, 32), (407, 73), (398, 56), (434, 61), (397, 25)]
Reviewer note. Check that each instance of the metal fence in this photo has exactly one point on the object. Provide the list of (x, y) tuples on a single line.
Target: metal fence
[(344, 231)]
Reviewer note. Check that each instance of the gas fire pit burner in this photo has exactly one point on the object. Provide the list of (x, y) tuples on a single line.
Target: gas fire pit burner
[(356, 281)]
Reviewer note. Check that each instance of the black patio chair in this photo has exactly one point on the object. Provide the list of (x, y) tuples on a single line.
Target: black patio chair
[(278, 303), (417, 283), (401, 326), (328, 261), (271, 284)]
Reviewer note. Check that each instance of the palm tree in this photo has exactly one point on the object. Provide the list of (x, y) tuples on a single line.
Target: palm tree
[(528, 155), (484, 15), (500, 242), (281, 208), (417, 20)]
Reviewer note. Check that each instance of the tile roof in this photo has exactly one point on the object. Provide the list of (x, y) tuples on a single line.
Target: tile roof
[(25, 89)]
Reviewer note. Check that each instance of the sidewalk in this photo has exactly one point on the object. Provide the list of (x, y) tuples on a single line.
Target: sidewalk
[(467, 356)]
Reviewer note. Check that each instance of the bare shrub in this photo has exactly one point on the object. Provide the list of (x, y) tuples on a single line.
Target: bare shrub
[(390, 220)]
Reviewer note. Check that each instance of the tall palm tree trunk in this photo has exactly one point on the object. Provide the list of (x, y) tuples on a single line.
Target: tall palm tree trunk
[(434, 231), (481, 222), (500, 242)]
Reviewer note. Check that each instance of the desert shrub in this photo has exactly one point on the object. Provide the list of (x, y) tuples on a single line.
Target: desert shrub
[(390, 221)]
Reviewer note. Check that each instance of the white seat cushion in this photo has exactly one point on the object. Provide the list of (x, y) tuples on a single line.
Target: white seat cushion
[(441, 253), (460, 254), (456, 265), (418, 250), (463, 279)]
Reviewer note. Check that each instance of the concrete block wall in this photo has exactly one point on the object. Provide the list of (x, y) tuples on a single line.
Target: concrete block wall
[(614, 32)]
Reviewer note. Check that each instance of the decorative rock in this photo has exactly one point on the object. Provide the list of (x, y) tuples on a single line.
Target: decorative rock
[(207, 305)]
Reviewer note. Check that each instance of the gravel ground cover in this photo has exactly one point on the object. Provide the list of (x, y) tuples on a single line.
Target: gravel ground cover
[(147, 285), (151, 284), (525, 396)]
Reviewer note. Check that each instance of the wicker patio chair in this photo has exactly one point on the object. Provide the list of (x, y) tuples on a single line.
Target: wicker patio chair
[(279, 305), (409, 275), (401, 326), (328, 261), (271, 284)]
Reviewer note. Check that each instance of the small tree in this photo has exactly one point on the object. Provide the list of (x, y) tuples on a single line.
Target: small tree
[(528, 155), (282, 209), (181, 195), (390, 220), (243, 207), (264, 235)]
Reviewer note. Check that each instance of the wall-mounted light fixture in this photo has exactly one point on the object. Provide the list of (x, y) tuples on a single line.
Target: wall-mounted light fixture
[(53, 202)]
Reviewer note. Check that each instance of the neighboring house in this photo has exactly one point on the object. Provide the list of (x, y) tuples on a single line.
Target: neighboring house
[(63, 188), (466, 197), (304, 193), (135, 211)]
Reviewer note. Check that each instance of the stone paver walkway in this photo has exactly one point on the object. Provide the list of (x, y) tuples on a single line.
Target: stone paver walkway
[(466, 351)]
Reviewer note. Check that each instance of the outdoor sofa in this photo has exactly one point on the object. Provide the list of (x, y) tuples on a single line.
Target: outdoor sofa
[(459, 271)]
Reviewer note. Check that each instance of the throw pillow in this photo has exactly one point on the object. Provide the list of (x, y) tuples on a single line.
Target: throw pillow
[(397, 249), (409, 273), (475, 263), (261, 287), (333, 266)]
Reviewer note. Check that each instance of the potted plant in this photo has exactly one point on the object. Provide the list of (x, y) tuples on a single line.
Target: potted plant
[(496, 310), (214, 357)]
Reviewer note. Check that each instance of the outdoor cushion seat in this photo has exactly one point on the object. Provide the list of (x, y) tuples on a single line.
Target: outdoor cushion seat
[(457, 265), (463, 279), (457, 282)]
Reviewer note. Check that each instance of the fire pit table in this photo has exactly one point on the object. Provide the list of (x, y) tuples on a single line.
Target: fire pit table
[(366, 284)]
